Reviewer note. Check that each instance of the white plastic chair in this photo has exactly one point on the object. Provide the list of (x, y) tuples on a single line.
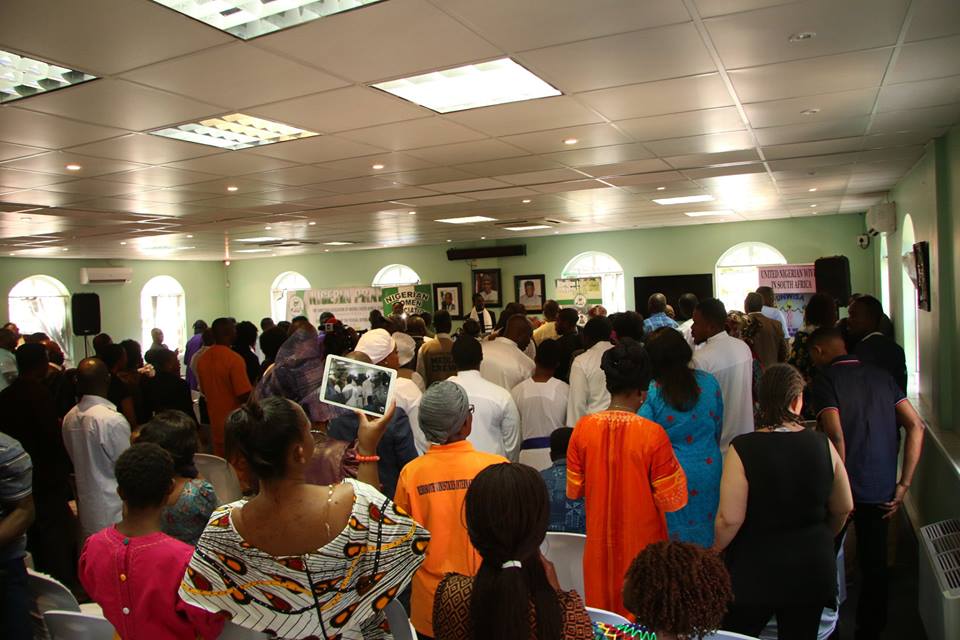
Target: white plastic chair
[(50, 594), (565, 551), (606, 617), (233, 631), (400, 625), (221, 475), (73, 625)]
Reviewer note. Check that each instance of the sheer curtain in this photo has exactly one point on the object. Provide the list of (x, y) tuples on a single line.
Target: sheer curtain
[(39, 304)]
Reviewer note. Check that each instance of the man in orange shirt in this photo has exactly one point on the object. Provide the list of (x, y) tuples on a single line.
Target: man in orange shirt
[(223, 378), (432, 489)]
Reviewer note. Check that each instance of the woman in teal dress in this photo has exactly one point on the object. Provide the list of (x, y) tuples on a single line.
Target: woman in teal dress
[(688, 404)]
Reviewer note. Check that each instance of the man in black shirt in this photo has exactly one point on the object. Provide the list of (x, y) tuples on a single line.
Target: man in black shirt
[(568, 335), (866, 314)]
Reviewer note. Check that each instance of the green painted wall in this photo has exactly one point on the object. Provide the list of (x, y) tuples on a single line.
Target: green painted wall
[(202, 282)]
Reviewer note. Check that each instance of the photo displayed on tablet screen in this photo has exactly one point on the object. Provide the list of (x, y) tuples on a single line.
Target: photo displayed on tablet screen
[(357, 385)]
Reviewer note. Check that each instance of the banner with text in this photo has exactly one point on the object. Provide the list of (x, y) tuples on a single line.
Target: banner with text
[(351, 305), (416, 299), (794, 285), (579, 293)]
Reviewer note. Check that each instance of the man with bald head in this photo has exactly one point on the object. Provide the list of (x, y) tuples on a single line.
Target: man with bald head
[(504, 362), (95, 434), (657, 314)]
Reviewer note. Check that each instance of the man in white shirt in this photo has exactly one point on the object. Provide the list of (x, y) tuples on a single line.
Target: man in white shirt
[(8, 361), (542, 403), (530, 299), (730, 361), (504, 362), (481, 314), (588, 383), (496, 421), (95, 434), (487, 292), (771, 310), (686, 304)]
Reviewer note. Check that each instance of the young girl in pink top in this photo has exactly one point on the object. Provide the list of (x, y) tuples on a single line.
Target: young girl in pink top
[(133, 570)]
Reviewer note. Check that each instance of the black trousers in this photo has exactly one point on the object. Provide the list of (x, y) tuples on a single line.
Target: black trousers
[(793, 623), (872, 532)]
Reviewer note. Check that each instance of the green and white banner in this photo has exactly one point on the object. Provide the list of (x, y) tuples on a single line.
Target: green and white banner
[(580, 294), (351, 305), (416, 298)]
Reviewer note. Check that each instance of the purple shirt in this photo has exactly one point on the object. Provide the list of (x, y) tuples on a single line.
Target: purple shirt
[(193, 345)]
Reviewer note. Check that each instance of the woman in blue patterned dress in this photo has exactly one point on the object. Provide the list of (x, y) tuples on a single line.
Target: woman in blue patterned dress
[(688, 404)]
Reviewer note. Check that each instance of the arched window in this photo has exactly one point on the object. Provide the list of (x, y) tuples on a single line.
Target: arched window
[(908, 295), (163, 305), (286, 281), (884, 274), (394, 275), (737, 275), (39, 304), (596, 264)]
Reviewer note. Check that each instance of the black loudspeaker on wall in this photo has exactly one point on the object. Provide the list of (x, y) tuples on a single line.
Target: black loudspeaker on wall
[(85, 309), (833, 278)]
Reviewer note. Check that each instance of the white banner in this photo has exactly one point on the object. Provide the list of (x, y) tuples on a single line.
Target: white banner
[(351, 305)]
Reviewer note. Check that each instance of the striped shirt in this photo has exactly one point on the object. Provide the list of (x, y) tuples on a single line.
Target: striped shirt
[(16, 483)]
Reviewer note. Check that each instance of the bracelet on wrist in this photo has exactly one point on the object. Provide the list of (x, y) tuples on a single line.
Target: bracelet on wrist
[(362, 458)]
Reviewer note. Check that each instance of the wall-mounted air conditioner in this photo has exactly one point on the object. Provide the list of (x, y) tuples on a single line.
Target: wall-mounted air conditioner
[(105, 275)]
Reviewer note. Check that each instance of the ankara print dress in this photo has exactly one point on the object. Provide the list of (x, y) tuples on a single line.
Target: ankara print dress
[(353, 577)]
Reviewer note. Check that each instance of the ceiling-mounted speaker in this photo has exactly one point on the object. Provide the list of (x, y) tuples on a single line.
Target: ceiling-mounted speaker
[(487, 252)]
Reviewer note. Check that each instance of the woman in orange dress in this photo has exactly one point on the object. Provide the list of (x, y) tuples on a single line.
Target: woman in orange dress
[(625, 467)]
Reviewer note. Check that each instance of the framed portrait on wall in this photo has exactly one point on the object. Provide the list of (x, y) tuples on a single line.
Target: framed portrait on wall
[(529, 292), (448, 296), (486, 283)]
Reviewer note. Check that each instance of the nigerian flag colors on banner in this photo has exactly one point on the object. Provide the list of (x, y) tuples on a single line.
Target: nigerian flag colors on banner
[(416, 298), (580, 294)]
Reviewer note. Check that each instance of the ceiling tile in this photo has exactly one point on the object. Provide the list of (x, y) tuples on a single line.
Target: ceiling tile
[(832, 106), (591, 135), (297, 176), (901, 138), (516, 26), (806, 77), (57, 161), (925, 93), (570, 186), (763, 36), (600, 155), (626, 168), (820, 147), (513, 193), (20, 126), (382, 41), (41, 198), (811, 131), (342, 109), (692, 160), (235, 76), (9, 151), (219, 187), (531, 115), (93, 187), (74, 34), (26, 179), (363, 166), (315, 149), (713, 143), (146, 149), (933, 18), (640, 56), (683, 124), (708, 8), (928, 59), (893, 121), (424, 132), (427, 176), (474, 151), (357, 185), (162, 177), (541, 177), (231, 163), (472, 184), (509, 165), (663, 96)]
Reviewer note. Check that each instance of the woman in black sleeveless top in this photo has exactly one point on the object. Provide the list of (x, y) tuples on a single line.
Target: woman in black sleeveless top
[(783, 497)]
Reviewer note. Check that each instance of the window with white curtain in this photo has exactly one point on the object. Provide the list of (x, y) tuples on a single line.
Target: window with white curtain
[(286, 281), (38, 304), (394, 275), (596, 264), (163, 305), (737, 273)]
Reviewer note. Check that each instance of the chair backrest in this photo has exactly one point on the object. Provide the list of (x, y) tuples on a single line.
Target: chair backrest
[(221, 475), (565, 551), (72, 625), (609, 617), (50, 594), (400, 625), (233, 631)]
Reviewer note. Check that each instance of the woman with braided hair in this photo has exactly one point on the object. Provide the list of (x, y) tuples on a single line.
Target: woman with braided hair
[(515, 595), (675, 590), (784, 495)]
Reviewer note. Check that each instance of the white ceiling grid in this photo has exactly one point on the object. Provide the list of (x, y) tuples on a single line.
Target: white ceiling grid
[(663, 97)]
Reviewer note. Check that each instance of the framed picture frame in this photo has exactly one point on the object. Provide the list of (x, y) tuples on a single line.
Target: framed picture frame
[(487, 283), (448, 296), (530, 292)]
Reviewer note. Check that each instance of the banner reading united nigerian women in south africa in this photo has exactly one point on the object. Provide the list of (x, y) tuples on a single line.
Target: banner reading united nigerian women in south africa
[(794, 285), (416, 299)]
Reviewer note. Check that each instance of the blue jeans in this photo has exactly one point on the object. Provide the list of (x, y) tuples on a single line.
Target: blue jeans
[(14, 600)]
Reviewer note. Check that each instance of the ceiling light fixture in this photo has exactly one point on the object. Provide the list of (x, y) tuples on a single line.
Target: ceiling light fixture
[(448, 240), (705, 214), (684, 199), (268, 228), (810, 112), (571, 141), (812, 189), (411, 213), (338, 243), (233, 188), (661, 188), (123, 242), (377, 166), (234, 131), (189, 235), (312, 223), (470, 86), (528, 227), (247, 20), (22, 77), (466, 220), (259, 239), (812, 206), (483, 237), (527, 201), (802, 35), (65, 249), (73, 167), (326, 250), (251, 250)]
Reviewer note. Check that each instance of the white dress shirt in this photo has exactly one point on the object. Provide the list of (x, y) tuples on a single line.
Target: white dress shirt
[(588, 384), (775, 314), (686, 328), (504, 364), (731, 362), (407, 395), (496, 421), (95, 435), (543, 410)]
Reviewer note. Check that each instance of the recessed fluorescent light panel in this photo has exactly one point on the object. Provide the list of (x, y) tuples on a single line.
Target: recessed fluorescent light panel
[(248, 19), (234, 131), (684, 199), (22, 77), (252, 250), (469, 87), (337, 243), (529, 227), (706, 214), (466, 220), (259, 239)]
